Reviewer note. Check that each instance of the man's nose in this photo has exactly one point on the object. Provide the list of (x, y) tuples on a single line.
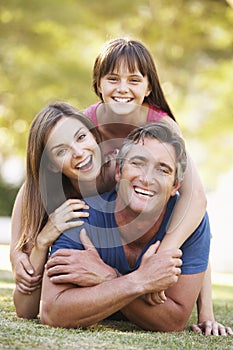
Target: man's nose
[(148, 176)]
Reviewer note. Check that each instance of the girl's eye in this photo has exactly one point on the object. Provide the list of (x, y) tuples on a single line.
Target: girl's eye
[(112, 78), (134, 80)]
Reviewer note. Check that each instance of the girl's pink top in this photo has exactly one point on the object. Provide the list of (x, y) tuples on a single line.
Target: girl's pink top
[(154, 114)]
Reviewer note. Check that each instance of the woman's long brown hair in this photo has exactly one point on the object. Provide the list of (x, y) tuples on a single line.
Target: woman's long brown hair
[(45, 190)]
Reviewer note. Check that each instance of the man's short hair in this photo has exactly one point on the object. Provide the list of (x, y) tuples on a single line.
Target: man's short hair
[(163, 133)]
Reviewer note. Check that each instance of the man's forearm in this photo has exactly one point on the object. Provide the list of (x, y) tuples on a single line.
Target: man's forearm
[(171, 316), (167, 317), (80, 307)]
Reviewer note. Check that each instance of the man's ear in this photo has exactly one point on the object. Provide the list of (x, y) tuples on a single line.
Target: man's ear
[(117, 173), (52, 167), (176, 186)]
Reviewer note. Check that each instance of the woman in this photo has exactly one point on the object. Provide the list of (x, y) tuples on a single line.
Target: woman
[(63, 163)]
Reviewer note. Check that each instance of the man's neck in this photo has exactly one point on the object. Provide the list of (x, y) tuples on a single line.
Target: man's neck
[(137, 229)]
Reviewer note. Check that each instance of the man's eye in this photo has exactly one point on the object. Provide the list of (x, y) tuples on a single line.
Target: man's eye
[(136, 163), (164, 170)]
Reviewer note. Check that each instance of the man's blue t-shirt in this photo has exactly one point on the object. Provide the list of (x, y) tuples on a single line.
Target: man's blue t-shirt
[(104, 234)]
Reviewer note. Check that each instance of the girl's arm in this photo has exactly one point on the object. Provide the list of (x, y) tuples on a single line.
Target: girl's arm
[(188, 213), (206, 321), (190, 207), (27, 305)]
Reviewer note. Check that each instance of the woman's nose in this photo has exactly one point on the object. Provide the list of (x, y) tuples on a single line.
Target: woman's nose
[(77, 151)]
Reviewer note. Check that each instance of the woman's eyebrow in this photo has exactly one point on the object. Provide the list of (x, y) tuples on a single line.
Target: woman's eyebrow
[(62, 144)]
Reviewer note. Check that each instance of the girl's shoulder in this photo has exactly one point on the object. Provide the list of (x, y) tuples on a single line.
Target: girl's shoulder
[(155, 114), (91, 112)]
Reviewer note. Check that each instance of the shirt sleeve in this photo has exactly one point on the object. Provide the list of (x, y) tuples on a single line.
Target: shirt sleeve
[(65, 242)]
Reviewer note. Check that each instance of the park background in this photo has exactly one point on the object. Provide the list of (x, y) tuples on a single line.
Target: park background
[(47, 51)]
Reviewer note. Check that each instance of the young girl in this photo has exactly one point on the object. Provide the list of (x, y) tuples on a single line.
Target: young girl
[(63, 163)]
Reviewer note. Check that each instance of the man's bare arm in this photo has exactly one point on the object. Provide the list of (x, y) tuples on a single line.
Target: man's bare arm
[(65, 305), (174, 313)]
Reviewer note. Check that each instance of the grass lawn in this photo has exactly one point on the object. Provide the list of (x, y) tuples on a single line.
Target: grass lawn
[(16, 333)]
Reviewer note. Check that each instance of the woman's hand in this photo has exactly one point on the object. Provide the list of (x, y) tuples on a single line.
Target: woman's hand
[(63, 218), (23, 272), (211, 328)]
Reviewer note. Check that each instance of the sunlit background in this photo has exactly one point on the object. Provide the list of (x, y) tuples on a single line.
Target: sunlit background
[(47, 51)]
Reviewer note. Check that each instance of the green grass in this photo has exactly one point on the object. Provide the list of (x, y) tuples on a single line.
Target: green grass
[(20, 334)]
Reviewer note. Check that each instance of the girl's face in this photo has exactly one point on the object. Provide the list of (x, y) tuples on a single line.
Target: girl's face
[(72, 150), (124, 88)]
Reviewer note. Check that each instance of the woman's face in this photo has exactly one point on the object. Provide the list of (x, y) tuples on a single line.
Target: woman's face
[(72, 150)]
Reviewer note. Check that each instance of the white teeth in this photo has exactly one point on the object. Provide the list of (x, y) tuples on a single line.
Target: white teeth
[(85, 162), (122, 99), (144, 192)]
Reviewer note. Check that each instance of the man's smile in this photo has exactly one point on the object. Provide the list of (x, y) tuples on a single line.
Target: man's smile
[(143, 192)]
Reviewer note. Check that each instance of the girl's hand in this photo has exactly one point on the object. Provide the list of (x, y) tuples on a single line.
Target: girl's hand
[(155, 298), (23, 273), (211, 328), (63, 218)]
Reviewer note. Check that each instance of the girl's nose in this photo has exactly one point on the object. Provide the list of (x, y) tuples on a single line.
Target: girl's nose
[(123, 87)]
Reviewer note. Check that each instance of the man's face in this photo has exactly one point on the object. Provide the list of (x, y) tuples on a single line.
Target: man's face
[(146, 181)]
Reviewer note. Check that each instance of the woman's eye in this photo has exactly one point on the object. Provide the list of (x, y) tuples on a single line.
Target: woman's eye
[(61, 152), (81, 137)]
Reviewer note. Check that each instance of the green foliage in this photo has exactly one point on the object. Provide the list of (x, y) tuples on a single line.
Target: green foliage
[(20, 334), (7, 197)]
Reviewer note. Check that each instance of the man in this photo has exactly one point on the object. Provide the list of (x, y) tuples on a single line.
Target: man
[(121, 269)]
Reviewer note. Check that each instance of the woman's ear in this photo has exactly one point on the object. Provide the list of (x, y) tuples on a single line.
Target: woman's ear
[(52, 167)]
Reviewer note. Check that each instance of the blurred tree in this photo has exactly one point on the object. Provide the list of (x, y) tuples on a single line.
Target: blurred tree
[(47, 50)]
